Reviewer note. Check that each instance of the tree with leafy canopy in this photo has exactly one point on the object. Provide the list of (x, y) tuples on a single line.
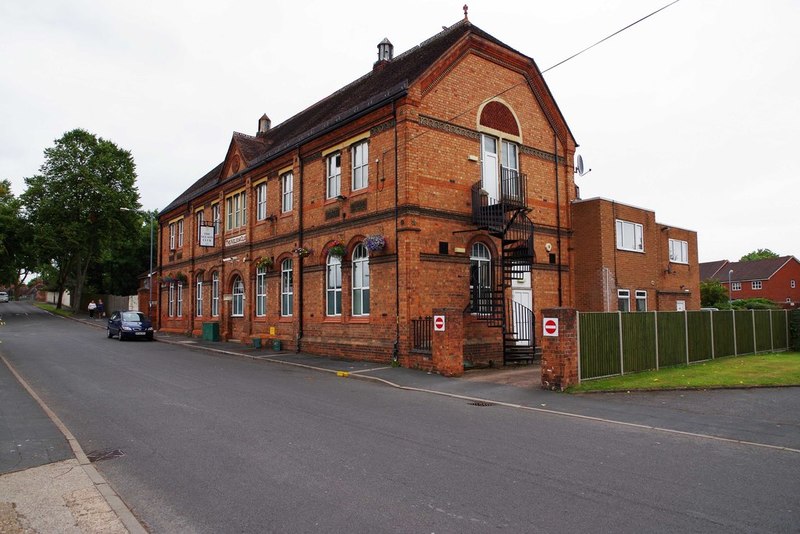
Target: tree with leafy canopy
[(759, 254), (17, 257), (713, 294), (75, 206)]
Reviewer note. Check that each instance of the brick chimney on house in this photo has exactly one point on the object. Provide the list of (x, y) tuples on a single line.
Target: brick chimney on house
[(263, 125), (385, 54)]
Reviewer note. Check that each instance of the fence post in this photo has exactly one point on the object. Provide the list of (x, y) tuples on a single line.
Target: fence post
[(755, 339), (655, 323), (786, 322), (578, 341), (771, 334), (686, 333), (735, 350), (621, 349), (713, 349)]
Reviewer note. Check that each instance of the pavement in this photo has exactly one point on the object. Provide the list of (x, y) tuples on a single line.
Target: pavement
[(47, 484)]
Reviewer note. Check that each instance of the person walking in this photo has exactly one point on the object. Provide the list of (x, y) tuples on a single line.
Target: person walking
[(101, 309), (92, 308)]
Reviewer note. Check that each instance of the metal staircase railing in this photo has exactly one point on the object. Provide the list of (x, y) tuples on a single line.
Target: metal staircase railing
[(507, 219)]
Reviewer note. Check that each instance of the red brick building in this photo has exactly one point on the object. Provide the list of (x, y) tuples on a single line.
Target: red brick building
[(442, 178), (625, 260), (776, 279)]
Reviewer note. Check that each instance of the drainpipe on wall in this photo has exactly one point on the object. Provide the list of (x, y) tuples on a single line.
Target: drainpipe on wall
[(558, 220), (300, 258), (396, 349)]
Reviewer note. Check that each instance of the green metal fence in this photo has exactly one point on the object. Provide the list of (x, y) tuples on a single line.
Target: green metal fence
[(626, 342)]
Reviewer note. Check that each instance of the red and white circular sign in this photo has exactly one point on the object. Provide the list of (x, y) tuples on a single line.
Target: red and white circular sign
[(438, 323), (550, 326)]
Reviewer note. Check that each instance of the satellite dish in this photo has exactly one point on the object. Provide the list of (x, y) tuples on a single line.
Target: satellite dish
[(579, 166)]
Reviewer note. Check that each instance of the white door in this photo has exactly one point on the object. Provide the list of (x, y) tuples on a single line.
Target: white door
[(490, 170), (522, 294)]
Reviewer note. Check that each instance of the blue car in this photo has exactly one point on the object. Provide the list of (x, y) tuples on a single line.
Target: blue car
[(130, 325)]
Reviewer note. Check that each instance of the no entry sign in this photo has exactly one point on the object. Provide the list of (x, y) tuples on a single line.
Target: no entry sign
[(550, 326), (438, 323)]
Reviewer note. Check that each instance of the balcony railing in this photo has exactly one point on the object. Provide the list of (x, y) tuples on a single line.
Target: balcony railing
[(490, 212)]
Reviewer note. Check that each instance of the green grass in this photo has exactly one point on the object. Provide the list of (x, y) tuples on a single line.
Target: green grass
[(52, 309), (781, 369)]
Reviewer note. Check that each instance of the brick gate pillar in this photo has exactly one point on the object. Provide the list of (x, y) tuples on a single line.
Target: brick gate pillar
[(447, 348), (560, 353)]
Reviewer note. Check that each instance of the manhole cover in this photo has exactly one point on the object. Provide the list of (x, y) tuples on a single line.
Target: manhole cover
[(110, 454), (481, 403)]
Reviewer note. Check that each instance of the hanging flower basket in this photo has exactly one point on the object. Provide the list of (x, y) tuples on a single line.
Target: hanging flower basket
[(303, 252), (374, 242), (265, 263), (337, 250), (180, 277)]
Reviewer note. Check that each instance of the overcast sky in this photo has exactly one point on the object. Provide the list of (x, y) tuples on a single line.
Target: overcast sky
[(694, 113)]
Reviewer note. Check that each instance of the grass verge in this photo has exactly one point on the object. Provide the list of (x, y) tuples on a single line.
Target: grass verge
[(52, 309), (782, 369)]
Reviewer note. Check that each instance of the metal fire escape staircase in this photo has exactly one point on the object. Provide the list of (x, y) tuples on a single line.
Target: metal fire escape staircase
[(507, 219)]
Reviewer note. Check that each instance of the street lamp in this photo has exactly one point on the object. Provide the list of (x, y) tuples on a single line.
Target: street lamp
[(150, 271), (730, 289)]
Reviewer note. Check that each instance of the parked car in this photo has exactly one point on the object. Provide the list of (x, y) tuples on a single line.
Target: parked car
[(3, 296), (130, 324)]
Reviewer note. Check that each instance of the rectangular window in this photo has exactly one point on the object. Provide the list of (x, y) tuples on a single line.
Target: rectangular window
[(678, 251), (629, 236), (179, 296), (736, 286), (198, 219), (236, 211), (180, 233), (199, 298), (360, 158), (215, 295), (333, 293), (287, 187), (216, 218), (287, 288), (261, 292), (511, 185), (624, 300), (756, 284), (172, 236), (171, 300), (641, 300), (261, 201), (333, 165)]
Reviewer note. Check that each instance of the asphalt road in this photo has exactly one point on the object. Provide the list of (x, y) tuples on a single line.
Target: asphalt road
[(222, 444)]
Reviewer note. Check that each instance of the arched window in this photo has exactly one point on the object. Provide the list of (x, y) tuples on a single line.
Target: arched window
[(287, 288), (180, 299), (333, 286), (360, 281), (238, 297), (171, 300), (261, 291), (199, 296), (480, 278), (215, 294)]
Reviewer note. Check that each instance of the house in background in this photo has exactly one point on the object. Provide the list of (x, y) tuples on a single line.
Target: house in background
[(623, 260), (776, 279), (441, 179)]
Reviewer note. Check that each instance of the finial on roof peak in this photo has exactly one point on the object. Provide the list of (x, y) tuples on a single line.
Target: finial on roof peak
[(466, 8)]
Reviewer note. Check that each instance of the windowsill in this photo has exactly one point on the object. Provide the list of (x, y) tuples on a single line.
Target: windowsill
[(334, 200), (336, 319), (359, 192), (285, 214), (630, 250), (359, 319), (286, 319)]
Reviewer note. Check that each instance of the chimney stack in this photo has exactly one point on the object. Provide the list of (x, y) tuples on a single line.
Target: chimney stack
[(263, 125), (385, 54)]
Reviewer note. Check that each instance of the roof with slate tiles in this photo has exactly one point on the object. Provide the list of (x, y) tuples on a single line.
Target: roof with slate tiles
[(376, 88), (744, 271)]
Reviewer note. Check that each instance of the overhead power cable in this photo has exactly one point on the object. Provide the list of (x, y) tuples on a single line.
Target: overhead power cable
[(610, 36)]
